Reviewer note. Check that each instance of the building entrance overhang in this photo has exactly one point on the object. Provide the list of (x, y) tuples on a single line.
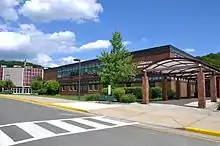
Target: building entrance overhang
[(184, 68)]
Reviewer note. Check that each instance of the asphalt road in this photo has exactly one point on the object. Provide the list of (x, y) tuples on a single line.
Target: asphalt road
[(24, 124)]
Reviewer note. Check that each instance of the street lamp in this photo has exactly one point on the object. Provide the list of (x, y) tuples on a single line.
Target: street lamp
[(79, 75)]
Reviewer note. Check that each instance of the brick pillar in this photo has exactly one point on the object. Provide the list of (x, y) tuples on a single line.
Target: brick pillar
[(219, 88), (145, 89), (100, 89), (213, 88), (201, 89), (178, 92), (189, 89), (164, 89)]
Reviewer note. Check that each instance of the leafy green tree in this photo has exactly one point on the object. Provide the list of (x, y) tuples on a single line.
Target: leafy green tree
[(2, 84), (117, 64), (37, 83), (52, 87), (9, 84)]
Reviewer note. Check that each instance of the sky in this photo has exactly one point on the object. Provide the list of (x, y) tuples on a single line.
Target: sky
[(54, 32)]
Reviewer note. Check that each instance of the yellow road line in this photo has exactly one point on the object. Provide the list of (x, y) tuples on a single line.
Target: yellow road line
[(42, 103)]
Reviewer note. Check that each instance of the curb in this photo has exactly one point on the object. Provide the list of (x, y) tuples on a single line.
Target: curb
[(43, 103), (202, 131)]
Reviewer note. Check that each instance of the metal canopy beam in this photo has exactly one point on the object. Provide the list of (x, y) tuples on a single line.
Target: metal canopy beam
[(171, 68)]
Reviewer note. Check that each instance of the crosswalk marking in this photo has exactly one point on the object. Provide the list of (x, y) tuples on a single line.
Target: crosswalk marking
[(5, 139), (90, 123), (107, 120), (40, 132), (35, 130), (66, 126)]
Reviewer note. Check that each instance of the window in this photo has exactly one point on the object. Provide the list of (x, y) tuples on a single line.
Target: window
[(63, 88), (96, 87), (75, 87), (70, 88), (90, 87)]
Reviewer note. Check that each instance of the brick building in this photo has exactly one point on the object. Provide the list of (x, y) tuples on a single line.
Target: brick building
[(67, 75), (21, 77)]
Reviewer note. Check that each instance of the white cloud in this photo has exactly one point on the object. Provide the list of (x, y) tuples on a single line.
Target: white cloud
[(49, 10), (43, 59), (30, 43), (7, 9), (127, 43), (99, 44), (63, 61), (189, 50)]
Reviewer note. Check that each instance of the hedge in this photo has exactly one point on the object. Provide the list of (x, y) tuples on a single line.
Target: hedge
[(128, 98)]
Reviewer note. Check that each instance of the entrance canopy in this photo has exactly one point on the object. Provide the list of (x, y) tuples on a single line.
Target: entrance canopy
[(181, 67)]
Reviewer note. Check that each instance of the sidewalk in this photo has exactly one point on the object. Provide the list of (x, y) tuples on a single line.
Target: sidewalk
[(204, 121)]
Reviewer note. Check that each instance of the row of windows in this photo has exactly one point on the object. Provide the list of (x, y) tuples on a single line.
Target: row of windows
[(85, 69), (91, 87)]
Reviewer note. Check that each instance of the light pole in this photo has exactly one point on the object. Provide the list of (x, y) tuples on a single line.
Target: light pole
[(79, 75)]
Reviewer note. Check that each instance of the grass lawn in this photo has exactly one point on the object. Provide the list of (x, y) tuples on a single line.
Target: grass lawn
[(68, 97)]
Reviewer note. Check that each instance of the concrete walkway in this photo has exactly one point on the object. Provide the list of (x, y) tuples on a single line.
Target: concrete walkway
[(167, 115)]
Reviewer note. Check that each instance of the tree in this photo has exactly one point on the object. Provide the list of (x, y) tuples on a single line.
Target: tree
[(117, 64), (2, 84), (9, 84), (37, 83), (52, 87)]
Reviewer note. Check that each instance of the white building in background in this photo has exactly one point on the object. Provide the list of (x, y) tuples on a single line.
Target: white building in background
[(21, 77)]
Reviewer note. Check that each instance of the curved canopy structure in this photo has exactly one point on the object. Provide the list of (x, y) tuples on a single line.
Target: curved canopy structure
[(180, 67)]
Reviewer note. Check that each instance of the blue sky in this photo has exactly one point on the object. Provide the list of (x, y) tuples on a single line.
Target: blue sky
[(186, 24)]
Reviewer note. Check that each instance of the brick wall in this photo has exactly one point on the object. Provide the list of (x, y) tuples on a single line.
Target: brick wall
[(50, 74), (30, 73)]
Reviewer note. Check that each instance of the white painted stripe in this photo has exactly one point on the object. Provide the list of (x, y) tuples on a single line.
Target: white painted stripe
[(5, 140), (66, 126), (69, 133), (35, 130), (39, 121), (90, 123), (108, 120)]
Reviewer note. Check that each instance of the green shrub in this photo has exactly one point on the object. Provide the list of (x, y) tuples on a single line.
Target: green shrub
[(155, 92), (137, 91), (7, 92), (218, 108), (171, 94), (128, 98), (118, 92), (92, 97), (42, 91), (105, 91), (52, 87)]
